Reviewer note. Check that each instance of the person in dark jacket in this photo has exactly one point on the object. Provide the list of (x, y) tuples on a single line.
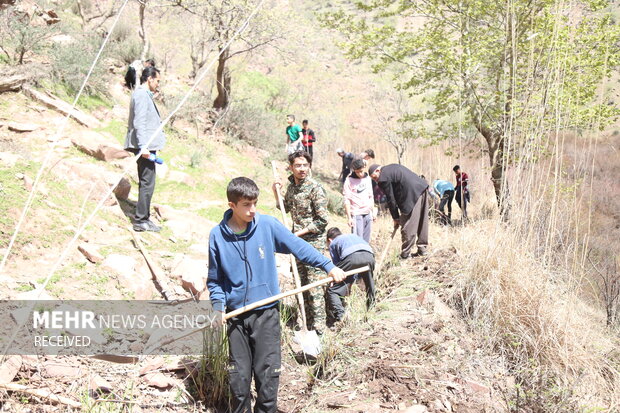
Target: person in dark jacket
[(407, 196), (242, 271), (347, 158), (349, 251)]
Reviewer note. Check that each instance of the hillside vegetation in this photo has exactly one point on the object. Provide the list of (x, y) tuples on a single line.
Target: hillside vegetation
[(514, 310)]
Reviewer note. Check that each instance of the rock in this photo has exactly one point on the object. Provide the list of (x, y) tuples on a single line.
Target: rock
[(62, 39), (121, 264), (56, 369), (90, 252), (62, 107), (12, 82), (22, 127), (158, 380), (27, 183), (181, 229), (9, 369), (424, 297), (417, 408), (165, 212), (98, 384), (95, 145), (8, 159), (181, 177), (477, 387), (153, 364), (180, 364), (123, 189), (193, 274)]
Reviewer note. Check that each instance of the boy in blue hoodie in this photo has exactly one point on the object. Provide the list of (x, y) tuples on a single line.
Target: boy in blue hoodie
[(242, 270)]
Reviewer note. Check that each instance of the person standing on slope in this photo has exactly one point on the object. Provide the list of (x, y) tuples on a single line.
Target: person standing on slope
[(462, 189), (309, 138), (294, 135), (242, 271), (407, 199), (358, 200), (305, 199), (144, 121)]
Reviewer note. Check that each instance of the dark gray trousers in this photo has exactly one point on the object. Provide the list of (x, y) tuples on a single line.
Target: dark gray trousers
[(462, 200), (254, 350), (362, 226), (414, 226), (146, 177), (341, 289), (446, 199)]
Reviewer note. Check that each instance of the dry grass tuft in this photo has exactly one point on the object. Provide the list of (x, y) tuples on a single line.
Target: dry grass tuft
[(530, 315)]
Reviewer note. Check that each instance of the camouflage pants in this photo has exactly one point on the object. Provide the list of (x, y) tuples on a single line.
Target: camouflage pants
[(314, 300)]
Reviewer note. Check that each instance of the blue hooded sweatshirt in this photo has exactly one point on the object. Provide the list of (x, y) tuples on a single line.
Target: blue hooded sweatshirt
[(242, 268)]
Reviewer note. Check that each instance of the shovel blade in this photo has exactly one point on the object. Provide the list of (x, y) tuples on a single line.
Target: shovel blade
[(309, 341)]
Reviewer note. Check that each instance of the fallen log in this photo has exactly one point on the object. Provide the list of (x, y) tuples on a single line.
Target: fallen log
[(61, 106), (44, 394)]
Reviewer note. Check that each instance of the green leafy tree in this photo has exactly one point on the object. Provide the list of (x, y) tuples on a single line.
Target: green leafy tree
[(506, 71)]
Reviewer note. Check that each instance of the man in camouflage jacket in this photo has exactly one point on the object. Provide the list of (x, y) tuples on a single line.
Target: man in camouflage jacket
[(305, 199)]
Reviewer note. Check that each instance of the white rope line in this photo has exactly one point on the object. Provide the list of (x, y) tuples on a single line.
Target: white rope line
[(59, 133), (108, 193)]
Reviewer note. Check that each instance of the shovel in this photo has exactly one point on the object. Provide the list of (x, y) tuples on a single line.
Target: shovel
[(310, 343)]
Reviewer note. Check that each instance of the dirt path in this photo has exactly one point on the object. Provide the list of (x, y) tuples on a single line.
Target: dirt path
[(413, 352)]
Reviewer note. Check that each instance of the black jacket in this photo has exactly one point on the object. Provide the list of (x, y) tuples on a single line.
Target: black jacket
[(402, 188)]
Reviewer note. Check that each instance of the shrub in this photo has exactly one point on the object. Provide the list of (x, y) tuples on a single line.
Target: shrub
[(21, 37), (71, 64)]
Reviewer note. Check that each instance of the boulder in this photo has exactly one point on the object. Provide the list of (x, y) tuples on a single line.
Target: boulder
[(159, 380), (61, 106), (95, 145), (9, 369), (22, 127), (98, 384), (57, 369), (122, 265), (192, 273)]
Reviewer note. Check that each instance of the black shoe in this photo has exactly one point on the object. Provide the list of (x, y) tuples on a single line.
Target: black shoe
[(404, 257), (422, 252), (153, 227), (146, 226)]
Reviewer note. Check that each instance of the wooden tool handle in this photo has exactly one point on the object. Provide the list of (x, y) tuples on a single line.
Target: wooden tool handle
[(296, 278), (252, 306), (280, 296)]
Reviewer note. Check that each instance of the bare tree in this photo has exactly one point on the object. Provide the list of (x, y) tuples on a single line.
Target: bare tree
[(95, 13), (390, 121), (218, 22), (609, 288)]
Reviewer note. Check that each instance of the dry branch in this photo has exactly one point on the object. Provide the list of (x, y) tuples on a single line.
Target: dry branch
[(44, 394)]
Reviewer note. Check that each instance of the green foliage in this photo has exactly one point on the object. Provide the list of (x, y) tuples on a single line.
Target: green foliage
[(71, 64), (508, 71), (260, 113), (21, 36)]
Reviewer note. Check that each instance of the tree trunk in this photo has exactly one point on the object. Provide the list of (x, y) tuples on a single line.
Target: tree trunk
[(496, 146), (142, 31), (223, 82)]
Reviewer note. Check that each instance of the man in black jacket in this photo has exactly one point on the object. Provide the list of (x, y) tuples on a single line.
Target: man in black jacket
[(406, 195)]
